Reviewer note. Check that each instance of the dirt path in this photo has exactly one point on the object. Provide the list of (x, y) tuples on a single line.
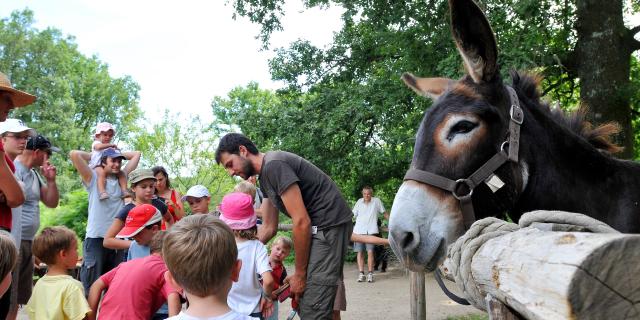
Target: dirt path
[(388, 297)]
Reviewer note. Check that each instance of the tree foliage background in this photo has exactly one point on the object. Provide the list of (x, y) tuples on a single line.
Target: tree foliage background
[(185, 147), (74, 91), (344, 107)]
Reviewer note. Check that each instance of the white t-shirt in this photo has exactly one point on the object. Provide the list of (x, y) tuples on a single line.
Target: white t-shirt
[(245, 294), (95, 155), (231, 315), (367, 216)]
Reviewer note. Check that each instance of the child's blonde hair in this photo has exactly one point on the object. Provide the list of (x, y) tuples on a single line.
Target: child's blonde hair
[(246, 187), (284, 240), (200, 252), (51, 241), (8, 254)]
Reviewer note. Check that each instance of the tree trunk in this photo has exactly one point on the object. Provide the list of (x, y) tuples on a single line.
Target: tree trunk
[(604, 52)]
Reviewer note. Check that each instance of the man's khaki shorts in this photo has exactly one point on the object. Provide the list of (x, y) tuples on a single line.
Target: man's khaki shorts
[(326, 258)]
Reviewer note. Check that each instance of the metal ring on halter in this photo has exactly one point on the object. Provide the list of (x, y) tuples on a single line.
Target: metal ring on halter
[(464, 196), (502, 146)]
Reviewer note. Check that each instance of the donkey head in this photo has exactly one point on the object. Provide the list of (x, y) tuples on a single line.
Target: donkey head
[(465, 126)]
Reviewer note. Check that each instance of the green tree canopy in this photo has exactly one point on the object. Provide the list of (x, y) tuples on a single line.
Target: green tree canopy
[(344, 107), (185, 147), (74, 91)]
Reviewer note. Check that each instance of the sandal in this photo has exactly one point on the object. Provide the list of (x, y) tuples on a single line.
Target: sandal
[(126, 194)]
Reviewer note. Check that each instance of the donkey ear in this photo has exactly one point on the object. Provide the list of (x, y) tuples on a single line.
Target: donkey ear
[(428, 87), (475, 40)]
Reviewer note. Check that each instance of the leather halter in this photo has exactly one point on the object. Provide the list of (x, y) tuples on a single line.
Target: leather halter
[(480, 175), (460, 186)]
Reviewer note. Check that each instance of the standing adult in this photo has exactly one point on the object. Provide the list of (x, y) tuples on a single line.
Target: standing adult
[(321, 217), (14, 135), (171, 196), (98, 259), (11, 194), (366, 212), (37, 187)]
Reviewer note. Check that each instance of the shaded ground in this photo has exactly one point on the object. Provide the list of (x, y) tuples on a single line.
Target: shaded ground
[(388, 297)]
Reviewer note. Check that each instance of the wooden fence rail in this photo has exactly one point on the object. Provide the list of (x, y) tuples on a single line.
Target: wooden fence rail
[(560, 275)]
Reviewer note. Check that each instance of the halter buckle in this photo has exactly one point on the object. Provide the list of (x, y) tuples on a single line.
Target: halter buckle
[(464, 196), (516, 114)]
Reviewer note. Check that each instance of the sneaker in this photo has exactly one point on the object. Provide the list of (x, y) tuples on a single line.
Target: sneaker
[(104, 196), (370, 277), (361, 277)]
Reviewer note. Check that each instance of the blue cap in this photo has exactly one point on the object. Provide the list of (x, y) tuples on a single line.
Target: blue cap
[(112, 153)]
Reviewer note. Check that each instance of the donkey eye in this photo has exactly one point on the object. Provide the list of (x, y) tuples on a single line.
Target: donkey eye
[(461, 127)]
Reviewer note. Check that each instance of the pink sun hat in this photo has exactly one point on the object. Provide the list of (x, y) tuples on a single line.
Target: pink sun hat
[(104, 127), (237, 211)]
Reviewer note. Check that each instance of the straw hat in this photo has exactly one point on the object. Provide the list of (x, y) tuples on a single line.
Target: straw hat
[(19, 98)]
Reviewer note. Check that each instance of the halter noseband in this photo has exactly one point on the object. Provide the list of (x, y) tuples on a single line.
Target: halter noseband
[(484, 172)]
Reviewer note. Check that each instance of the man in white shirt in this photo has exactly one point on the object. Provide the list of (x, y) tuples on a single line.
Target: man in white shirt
[(366, 213)]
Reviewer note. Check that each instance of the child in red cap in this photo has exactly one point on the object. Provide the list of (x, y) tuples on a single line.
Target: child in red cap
[(136, 288), (247, 296), (140, 222)]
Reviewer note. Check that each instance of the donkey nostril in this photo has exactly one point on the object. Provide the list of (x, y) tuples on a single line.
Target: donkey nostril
[(408, 238), (408, 241)]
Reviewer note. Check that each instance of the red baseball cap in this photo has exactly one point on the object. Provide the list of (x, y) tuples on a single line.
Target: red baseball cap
[(237, 211), (138, 218)]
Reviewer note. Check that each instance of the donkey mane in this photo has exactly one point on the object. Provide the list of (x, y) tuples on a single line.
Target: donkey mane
[(599, 137)]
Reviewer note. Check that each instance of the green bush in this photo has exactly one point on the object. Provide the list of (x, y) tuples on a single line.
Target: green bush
[(72, 212)]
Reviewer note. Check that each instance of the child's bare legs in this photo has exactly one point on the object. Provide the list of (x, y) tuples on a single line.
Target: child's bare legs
[(102, 182), (122, 181)]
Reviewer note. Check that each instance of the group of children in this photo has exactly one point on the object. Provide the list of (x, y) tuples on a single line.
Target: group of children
[(212, 261)]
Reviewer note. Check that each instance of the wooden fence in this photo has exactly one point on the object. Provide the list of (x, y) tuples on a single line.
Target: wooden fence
[(534, 274)]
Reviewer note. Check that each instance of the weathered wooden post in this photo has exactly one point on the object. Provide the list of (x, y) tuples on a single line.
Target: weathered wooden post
[(560, 275), (418, 302)]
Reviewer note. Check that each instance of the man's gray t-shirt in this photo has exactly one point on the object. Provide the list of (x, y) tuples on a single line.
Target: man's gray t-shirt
[(102, 212), (321, 196), (30, 219)]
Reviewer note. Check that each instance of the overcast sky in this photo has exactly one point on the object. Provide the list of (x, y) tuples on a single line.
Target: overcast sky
[(182, 53)]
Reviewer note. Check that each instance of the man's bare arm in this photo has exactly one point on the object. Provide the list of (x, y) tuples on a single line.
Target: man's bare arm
[(269, 226), (78, 158), (292, 199)]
